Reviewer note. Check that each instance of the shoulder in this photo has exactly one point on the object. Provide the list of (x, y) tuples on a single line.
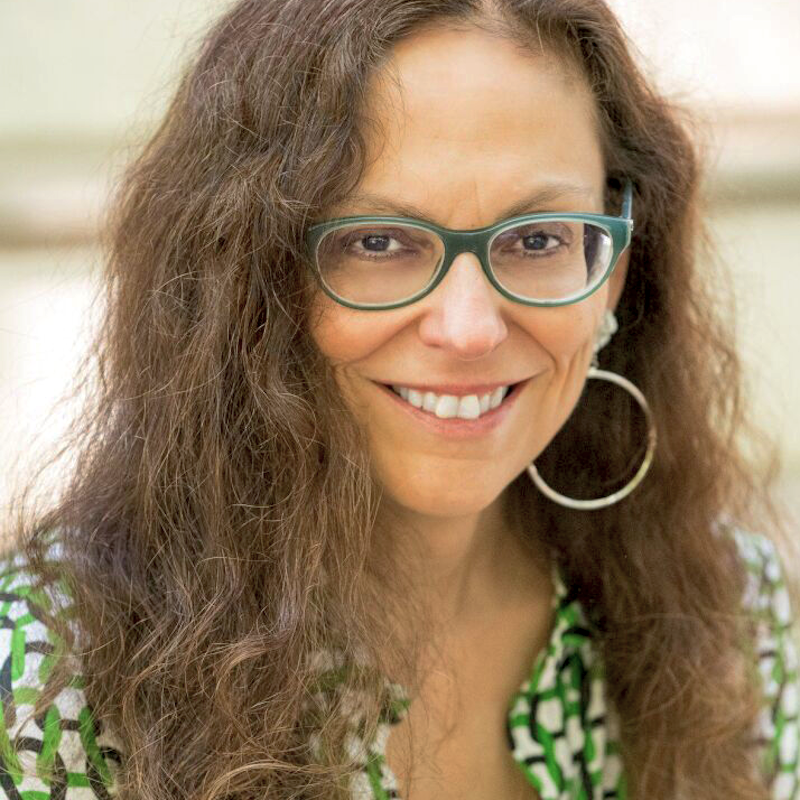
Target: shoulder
[(60, 752), (767, 601), (766, 595)]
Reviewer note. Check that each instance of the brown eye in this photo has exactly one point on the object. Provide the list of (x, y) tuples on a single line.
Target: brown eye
[(539, 241), (376, 243), (550, 259)]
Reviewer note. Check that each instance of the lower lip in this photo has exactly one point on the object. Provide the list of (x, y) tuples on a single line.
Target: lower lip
[(455, 427)]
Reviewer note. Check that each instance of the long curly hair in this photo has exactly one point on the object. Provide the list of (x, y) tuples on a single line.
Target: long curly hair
[(218, 524)]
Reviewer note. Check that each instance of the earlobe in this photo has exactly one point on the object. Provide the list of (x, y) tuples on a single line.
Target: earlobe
[(617, 280)]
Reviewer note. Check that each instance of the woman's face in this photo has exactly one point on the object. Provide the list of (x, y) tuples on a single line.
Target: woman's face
[(468, 126)]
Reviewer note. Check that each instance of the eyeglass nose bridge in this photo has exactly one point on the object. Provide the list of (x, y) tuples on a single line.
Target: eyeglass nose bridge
[(458, 242)]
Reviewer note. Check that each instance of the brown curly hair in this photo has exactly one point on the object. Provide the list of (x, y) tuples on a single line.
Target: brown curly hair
[(218, 525)]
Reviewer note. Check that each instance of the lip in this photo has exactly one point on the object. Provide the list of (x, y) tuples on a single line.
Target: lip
[(456, 428)]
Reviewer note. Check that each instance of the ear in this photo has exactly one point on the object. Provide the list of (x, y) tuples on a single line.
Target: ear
[(616, 282)]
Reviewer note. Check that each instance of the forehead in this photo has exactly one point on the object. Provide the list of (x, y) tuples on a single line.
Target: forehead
[(460, 122)]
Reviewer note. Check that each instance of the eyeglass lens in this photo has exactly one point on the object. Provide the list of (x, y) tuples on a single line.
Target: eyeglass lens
[(549, 260)]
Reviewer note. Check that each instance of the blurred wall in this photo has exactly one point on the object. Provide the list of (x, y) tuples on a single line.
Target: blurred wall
[(82, 83)]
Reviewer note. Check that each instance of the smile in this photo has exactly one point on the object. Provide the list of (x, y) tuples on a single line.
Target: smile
[(458, 413), (447, 406)]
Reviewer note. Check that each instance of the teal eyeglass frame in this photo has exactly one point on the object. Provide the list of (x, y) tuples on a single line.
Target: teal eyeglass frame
[(478, 241)]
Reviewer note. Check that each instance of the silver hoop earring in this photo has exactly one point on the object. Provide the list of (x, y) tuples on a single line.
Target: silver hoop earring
[(615, 497)]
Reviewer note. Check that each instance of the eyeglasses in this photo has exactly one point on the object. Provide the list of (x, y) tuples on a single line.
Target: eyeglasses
[(379, 263)]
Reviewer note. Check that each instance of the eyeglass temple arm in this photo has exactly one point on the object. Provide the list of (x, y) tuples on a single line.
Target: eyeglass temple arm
[(627, 199)]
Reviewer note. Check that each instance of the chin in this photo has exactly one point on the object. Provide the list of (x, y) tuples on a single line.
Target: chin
[(444, 501)]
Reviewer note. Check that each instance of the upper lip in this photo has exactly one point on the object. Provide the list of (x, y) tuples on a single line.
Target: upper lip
[(461, 389)]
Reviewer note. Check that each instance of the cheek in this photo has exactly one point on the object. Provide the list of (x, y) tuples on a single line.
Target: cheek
[(566, 334), (357, 344), (345, 335), (565, 337)]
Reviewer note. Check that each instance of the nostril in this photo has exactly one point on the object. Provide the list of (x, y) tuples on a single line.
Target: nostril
[(464, 338)]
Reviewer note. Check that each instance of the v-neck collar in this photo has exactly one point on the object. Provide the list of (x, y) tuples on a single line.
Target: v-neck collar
[(557, 726), (560, 731)]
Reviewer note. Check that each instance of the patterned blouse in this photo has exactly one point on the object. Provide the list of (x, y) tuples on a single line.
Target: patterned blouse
[(560, 730)]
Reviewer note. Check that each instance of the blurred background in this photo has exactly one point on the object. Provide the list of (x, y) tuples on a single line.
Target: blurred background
[(82, 84)]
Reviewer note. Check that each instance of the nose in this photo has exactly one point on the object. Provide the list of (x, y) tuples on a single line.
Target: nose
[(462, 314)]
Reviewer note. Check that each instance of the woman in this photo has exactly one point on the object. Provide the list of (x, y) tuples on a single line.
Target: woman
[(356, 513)]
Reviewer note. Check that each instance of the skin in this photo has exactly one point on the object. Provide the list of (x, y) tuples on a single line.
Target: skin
[(446, 139), (464, 125)]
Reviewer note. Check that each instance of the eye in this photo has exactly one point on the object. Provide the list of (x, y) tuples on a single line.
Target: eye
[(534, 239), (539, 241), (378, 243)]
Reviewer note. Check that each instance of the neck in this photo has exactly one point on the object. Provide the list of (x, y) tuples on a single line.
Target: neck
[(463, 566)]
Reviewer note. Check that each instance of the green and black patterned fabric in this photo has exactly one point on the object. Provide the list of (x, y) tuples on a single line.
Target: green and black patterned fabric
[(561, 732)]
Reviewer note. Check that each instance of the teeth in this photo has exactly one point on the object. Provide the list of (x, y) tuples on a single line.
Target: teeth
[(415, 398), (497, 396), (469, 407), (447, 406)]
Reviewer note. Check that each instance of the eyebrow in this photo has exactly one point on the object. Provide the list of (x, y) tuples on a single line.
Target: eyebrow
[(531, 203)]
